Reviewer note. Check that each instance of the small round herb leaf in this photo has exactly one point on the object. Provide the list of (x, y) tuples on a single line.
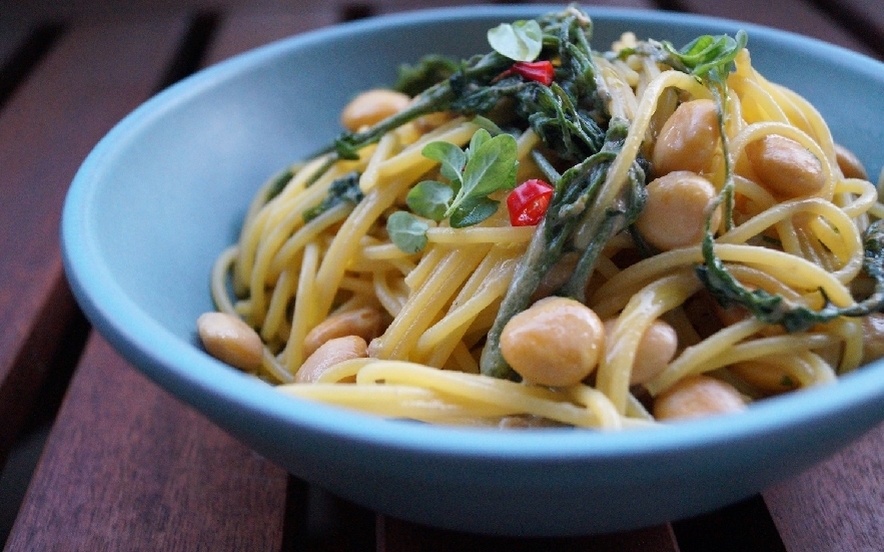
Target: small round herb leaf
[(490, 167), (452, 159), (408, 232), (430, 199), (473, 211), (519, 41)]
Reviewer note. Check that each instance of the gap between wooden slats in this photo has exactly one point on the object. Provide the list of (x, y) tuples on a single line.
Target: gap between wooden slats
[(398, 536), (21, 49)]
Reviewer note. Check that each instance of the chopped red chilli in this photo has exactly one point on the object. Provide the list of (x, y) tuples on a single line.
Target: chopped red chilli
[(527, 203), (540, 71)]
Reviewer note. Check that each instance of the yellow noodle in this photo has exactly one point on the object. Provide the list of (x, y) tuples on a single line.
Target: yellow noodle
[(596, 410), (644, 307), (304, 311)]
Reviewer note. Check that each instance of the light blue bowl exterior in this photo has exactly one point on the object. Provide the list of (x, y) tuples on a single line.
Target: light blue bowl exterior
[(164, 192)]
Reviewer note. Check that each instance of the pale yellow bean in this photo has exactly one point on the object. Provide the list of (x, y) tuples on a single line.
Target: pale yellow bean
[(230, 340), (372, 106), (366, 322), (676, 210), (688, 139), (656, 348), (556, 342), (849, 163), (765, 376), (330, 353), (697, 397), (784, 167)]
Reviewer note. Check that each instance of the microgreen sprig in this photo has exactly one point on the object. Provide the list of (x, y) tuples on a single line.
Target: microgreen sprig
[(520, 41), (487, 165)]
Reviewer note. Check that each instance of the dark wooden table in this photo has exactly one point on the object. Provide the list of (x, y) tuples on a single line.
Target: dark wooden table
[(96, 457)]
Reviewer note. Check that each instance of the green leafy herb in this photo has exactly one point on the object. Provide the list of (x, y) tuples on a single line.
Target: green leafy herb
[(431, 198), (519, 41), (430, 70), (472, 211), (475, 87), (343, 190), (408, 232), (707, 55), (491, 165), (775, 309), (487, 165)]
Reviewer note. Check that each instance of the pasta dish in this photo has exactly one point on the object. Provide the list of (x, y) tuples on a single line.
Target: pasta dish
[(549, 234)]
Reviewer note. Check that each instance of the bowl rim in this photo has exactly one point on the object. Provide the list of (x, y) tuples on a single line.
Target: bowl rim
[(162, 355)]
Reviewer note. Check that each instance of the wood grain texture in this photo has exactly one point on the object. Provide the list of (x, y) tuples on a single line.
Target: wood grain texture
[(243, 29), (797, 16), (128, 467), (48, 125), (836, 505)]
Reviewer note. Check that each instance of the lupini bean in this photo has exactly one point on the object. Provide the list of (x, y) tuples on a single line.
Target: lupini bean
[(229, 339), (784, 167), (330, 353), (366, 322), (676, 210), (766, 377), (873, 337), (556, 342), (849, 163), (372, 106), (688, 139), (655, 350), (696, 397)]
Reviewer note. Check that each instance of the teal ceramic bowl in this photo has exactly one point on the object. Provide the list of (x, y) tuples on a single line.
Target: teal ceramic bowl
[(164, 192)]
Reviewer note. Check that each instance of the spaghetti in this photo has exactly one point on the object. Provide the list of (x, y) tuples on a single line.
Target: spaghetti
[(774, 294)]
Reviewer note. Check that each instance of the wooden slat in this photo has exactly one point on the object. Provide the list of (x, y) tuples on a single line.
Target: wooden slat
[(798, 16), (871, 12), (48, 125), (128, 467), (837, 505), (862, 17), (243, 29)]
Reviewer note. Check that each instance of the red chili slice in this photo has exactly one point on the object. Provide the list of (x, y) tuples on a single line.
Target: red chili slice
[(527, 203), (540, 71)]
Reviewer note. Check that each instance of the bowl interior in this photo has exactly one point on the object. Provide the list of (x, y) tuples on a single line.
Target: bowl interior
[(166, 190)]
